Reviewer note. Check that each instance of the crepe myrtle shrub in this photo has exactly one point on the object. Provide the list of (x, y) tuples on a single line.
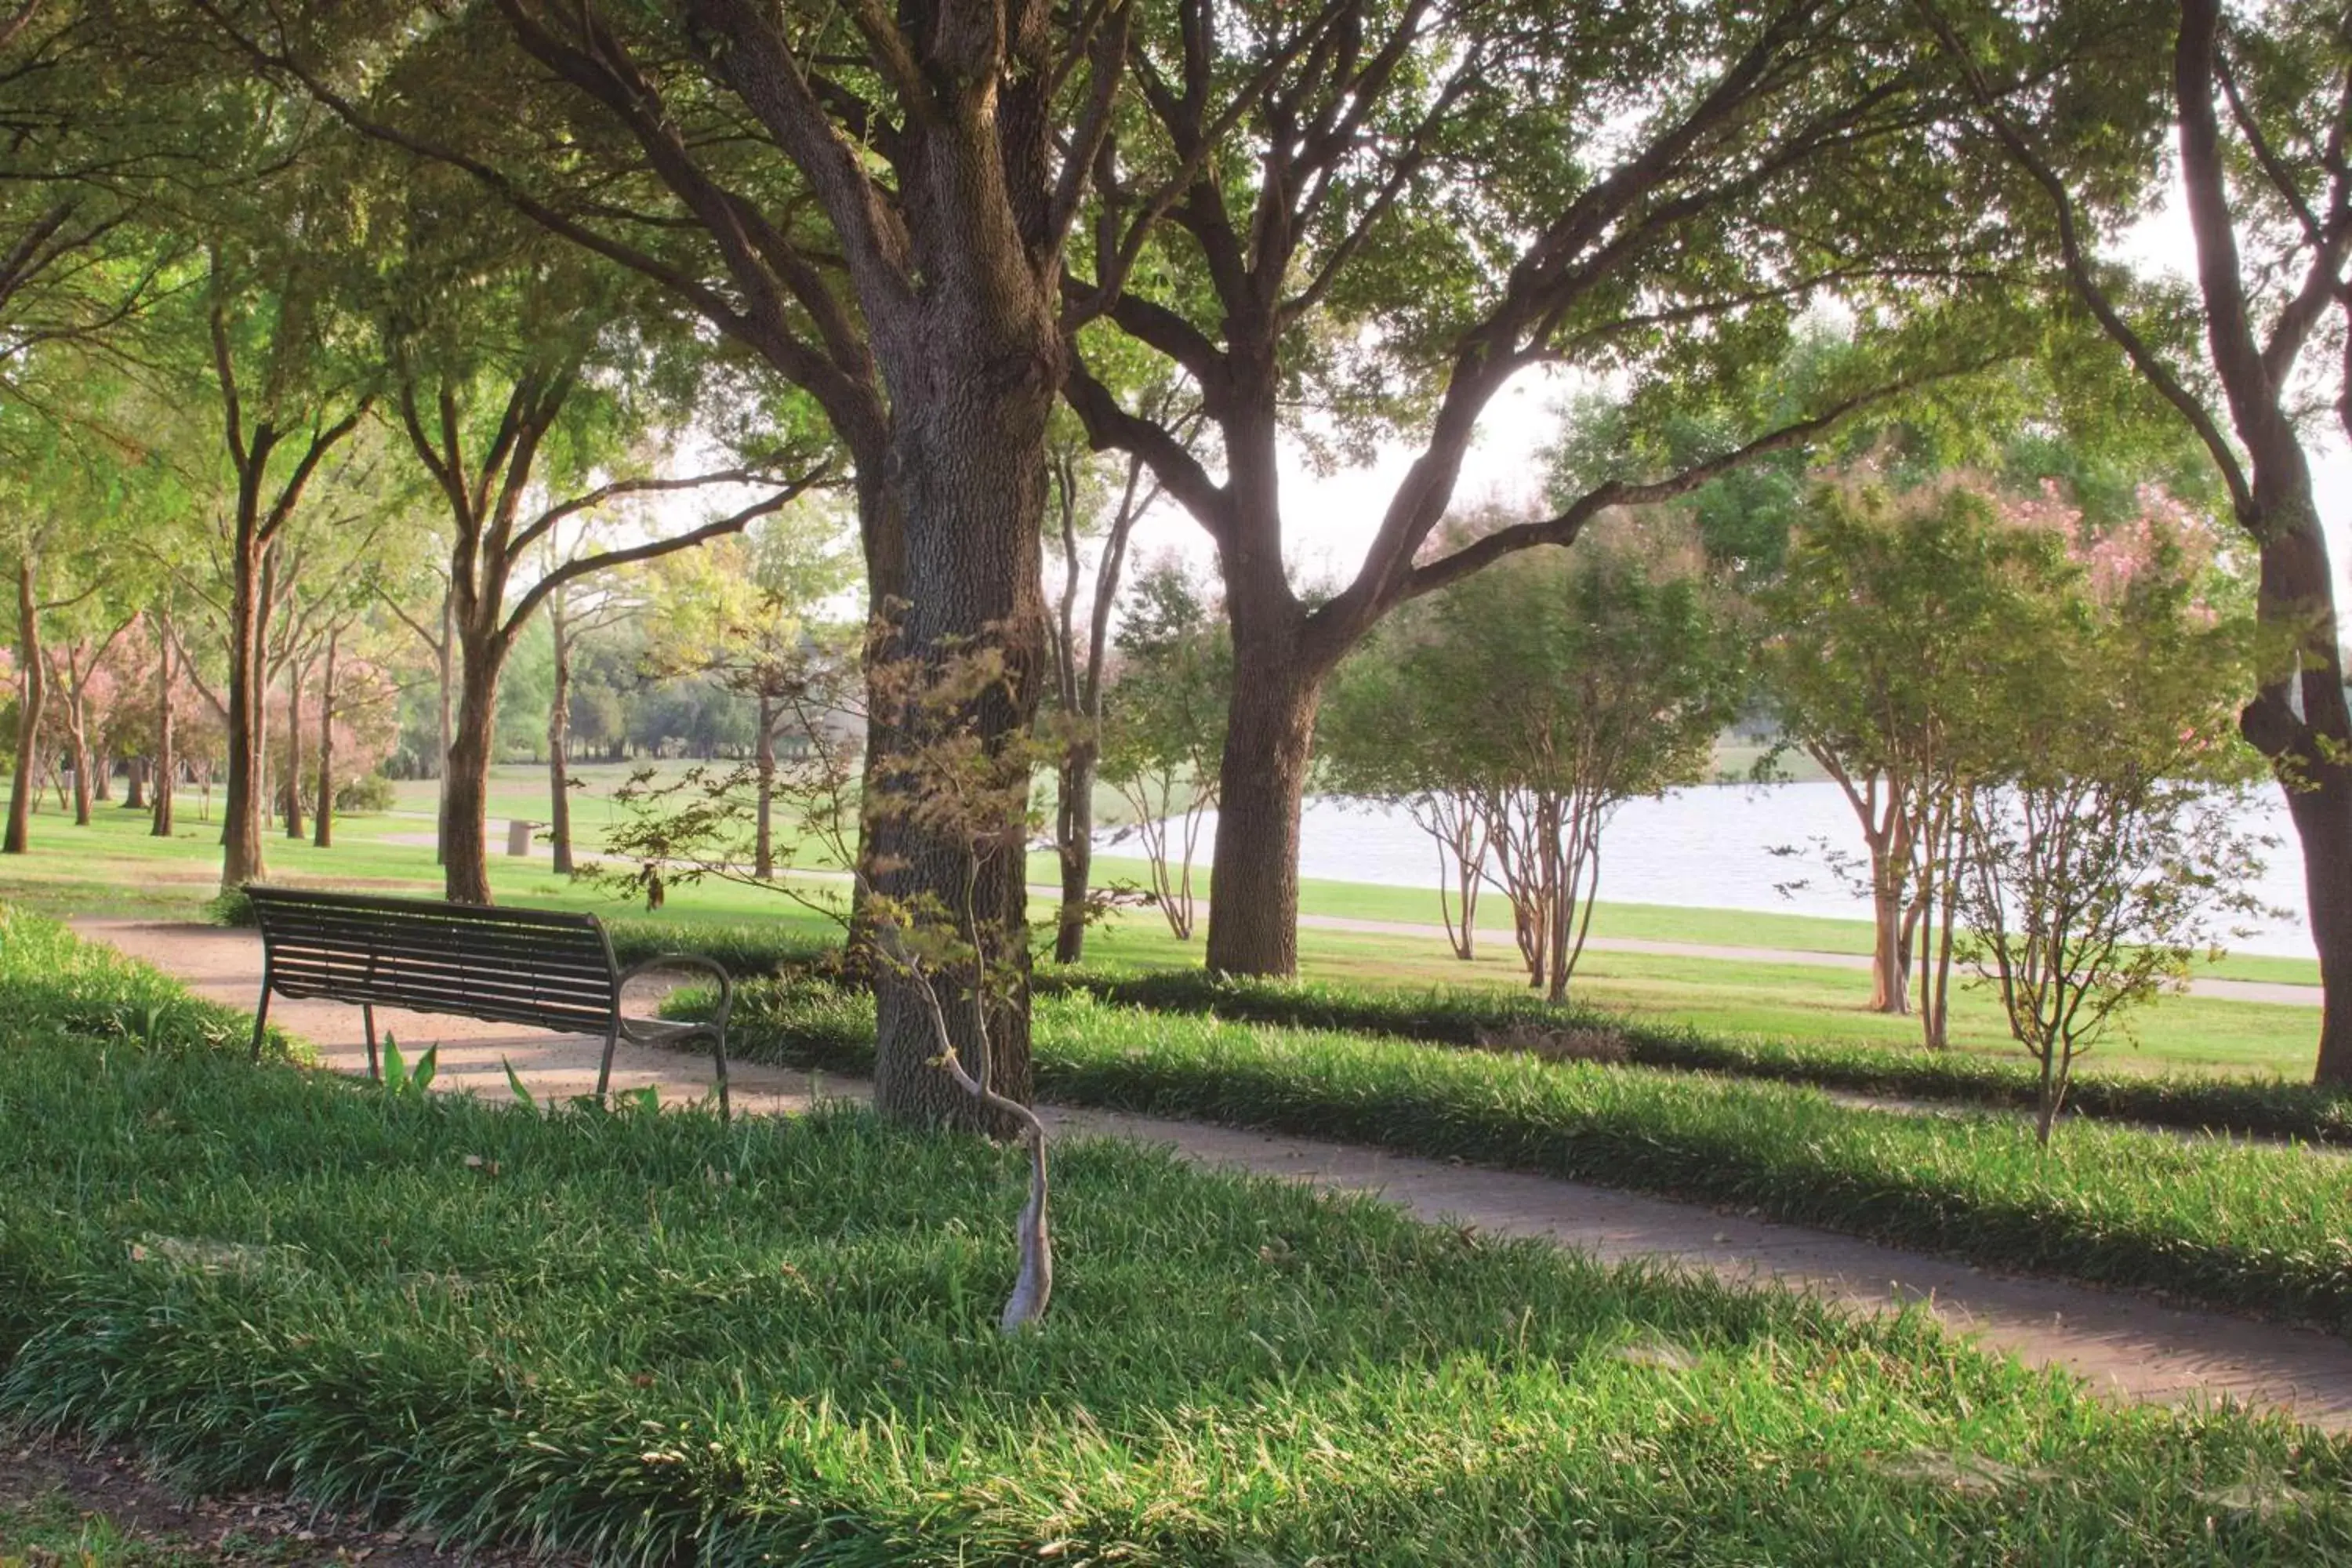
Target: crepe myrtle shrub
[(2101, 846), (1536, 697), (940, 776)]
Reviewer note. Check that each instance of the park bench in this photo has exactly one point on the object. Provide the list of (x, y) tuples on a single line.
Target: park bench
[(537, 967)]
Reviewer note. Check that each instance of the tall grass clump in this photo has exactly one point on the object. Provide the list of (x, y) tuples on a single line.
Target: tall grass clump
[(652, 1338), (52, 985)]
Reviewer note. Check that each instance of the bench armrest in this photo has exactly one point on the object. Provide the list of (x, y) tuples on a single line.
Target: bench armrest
[(685, 961), (716, 1026)]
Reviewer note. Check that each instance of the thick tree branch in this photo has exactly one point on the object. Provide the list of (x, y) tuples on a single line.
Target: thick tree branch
[(605, 561), (1564, 528)]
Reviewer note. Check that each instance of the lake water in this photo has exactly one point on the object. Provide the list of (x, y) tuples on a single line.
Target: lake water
[(1711, 848)]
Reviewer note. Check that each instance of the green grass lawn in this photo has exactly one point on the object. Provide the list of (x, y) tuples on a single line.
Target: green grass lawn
[(112, 868), (2258, 1227), (651, 1338)]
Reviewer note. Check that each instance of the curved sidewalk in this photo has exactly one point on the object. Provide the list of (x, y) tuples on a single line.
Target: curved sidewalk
[(2127, 1346)]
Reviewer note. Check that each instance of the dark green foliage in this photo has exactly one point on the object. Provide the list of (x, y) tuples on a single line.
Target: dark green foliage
[(650, 1339), (369, 793), (2252, 1228)]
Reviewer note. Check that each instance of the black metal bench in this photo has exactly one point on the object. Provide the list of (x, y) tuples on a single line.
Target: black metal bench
[(510, 966)]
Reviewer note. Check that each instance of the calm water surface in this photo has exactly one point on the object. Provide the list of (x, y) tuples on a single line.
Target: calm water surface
[(1712, 848)]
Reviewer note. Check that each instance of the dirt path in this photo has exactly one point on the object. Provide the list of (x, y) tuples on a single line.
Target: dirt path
[(2127, 1346)]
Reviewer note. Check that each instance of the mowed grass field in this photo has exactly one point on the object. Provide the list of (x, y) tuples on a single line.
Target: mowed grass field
[(114, 868)]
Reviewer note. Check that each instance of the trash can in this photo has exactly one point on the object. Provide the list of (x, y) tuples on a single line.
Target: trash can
[(518, 832)]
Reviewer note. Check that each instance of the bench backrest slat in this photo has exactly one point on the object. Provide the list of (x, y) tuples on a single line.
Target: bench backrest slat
[(550, 969)]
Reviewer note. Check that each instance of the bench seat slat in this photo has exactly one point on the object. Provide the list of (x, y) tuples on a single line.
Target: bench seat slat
[(329, 977), (556, 967)]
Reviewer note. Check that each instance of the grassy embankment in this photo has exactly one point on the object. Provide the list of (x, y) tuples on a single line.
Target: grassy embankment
[(2258, 1227), (651, 1336)]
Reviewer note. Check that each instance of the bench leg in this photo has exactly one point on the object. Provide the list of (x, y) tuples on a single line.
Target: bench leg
[(367, 1022), (261, 1017), (604, 1068), (719, 1061)]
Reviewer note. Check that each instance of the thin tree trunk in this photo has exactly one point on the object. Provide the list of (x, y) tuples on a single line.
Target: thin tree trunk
[(559, 739), (31, 701), (102, 781), (1074, 846), (763, 842), (295, 671), (166, 764), (324, 837), (1890, 976), (78, 737)]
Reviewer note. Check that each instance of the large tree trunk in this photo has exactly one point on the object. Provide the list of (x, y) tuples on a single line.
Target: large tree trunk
[(134, 788), (32, 699), (241, 820), (466, 775), (1269, 736), (1074, 845), (444, 669), (559, 741), (324, 837), (961, 505), (2310, 750), (166, 764)]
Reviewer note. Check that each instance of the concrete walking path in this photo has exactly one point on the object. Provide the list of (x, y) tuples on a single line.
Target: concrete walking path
[(2127, 1346)]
